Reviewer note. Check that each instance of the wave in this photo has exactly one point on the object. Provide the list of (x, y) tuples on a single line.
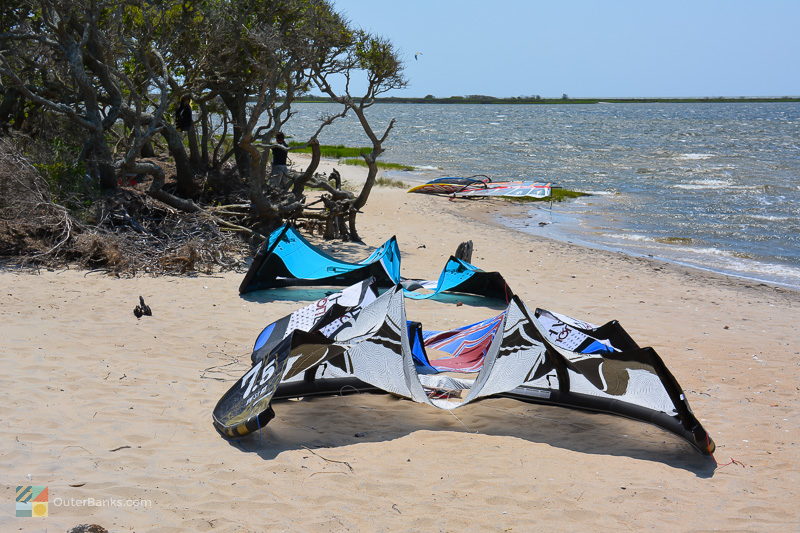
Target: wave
[(629, 237), (770, 218), (601, 193), (695, 157), (715, 259), (704, 184)]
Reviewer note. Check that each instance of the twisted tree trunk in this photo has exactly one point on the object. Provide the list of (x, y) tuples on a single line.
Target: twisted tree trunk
[(183, 167)]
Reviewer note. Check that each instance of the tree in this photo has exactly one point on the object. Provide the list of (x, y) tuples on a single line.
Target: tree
[(117, 69), (67, 67), (376, 58), (257, 72)]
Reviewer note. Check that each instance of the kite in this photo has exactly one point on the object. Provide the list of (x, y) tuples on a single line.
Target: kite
[(287, 259), (359, 340)]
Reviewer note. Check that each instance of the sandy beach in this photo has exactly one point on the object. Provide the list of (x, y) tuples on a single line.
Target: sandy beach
[(103, 407)]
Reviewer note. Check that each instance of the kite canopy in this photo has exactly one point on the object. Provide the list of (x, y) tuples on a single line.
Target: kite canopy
[(363, 341), (287, 259), (461, 277)]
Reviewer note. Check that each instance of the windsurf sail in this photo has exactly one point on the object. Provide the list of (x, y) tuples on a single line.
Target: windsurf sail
[(484, 186), (513, 189), (365, 341), (451, 184), (287, 259)]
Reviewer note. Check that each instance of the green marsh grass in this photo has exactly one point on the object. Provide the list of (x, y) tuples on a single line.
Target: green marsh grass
[(334, 151), (348, 155), (381, 164)]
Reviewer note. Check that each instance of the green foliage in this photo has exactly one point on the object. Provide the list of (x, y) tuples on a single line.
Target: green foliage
[(67, 180), (559, 195), (334, 151), (381, 164), (115, 68), (376, 55), (349, 155), (56, 160)]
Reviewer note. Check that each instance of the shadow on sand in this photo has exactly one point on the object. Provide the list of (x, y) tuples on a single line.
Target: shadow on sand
[(330, 422)]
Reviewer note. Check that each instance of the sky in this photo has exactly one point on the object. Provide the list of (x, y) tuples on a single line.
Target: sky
[(590, 48)]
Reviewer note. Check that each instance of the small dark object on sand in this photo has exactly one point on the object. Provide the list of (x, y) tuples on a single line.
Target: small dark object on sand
[(88, 528), (142, 309), (464, 251)]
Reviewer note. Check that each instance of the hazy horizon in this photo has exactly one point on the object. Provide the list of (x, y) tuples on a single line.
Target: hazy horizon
[(584, 97)]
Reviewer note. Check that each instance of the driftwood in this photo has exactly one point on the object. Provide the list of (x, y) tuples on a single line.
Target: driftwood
[(156, 186), (338, 206), (464, 251)]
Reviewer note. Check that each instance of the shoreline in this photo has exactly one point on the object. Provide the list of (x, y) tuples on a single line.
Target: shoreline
[(669, 175), (573, 235), (489, 213), (100, 404)]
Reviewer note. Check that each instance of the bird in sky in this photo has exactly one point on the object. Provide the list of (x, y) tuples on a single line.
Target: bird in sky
[(416, 56)]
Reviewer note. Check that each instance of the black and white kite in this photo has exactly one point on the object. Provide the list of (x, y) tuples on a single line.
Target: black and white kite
[(358, 340)]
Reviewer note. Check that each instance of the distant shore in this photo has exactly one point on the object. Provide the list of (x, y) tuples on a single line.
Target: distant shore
[(481, 99)]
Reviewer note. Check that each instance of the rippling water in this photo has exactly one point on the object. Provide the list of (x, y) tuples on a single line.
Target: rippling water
[(715, 186)]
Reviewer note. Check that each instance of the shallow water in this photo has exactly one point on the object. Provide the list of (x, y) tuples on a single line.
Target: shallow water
[(715, 186)]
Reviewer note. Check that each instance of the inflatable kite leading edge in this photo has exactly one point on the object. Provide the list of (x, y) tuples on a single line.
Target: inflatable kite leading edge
[(360, 340)]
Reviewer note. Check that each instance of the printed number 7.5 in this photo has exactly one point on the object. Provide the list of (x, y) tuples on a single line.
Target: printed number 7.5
[(249, 379)]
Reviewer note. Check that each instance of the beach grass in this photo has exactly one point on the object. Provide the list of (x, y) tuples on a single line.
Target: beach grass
[(349, 155), (381, 164), (389, 182), (337, 151)]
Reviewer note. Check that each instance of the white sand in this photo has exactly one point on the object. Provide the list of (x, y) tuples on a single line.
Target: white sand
[(81, 376)]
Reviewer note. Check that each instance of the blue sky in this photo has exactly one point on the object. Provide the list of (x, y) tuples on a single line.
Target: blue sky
[(590, 48)]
